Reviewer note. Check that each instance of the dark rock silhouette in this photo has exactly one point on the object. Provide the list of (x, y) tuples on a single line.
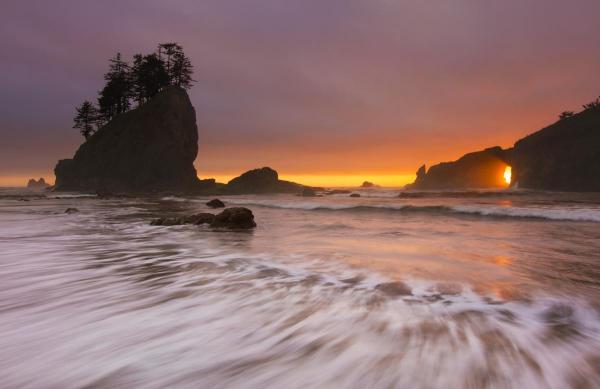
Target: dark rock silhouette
[(71, 210), (215, 203), (36, 185), (338, 191), (355, 195), (564, 156), (151, 148), (367, 184), (394, 289), (234, 218), (264, 180), (308, 192), (481, 169)]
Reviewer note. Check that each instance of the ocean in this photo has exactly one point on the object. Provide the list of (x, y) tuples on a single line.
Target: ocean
[(428, 290)]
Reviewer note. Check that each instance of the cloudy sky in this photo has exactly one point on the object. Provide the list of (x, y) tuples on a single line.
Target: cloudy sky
[(313, 88)]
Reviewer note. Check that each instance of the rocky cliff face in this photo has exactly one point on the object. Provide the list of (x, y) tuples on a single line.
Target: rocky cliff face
[(562, 157), (151, 148), (481, 169)]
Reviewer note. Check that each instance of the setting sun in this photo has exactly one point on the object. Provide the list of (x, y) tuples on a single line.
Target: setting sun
[(507, 174)]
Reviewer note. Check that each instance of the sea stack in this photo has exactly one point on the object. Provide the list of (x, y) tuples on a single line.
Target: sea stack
[(481, 169), (151, 148)]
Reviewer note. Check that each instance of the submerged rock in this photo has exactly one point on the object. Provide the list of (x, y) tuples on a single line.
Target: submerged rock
[(394, 289), (338, 191), (150, 148), (355, 195), (215, 203), (197, 219), (234, 218), (71, 210)]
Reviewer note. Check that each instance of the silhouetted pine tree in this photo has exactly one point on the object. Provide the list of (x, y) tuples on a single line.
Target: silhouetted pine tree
[(148, 76), (86, 118), (178, 66), (114, 97)]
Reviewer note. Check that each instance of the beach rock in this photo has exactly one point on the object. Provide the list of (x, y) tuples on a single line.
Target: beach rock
[(308, 192), (150, 148), (394, 289), (263, 180), (234, 218), (37, 185), (564, 156), (355, 195), (216, 203), (197, 219), (481, 169), (71, 210)]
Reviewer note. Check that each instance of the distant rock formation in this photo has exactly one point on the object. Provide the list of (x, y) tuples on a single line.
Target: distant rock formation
[(367, 184), (37, 185), (151, 148), (481, 169), (263, 180), (562, 157)]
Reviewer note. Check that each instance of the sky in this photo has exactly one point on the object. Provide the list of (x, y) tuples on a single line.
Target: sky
[(327, 92)]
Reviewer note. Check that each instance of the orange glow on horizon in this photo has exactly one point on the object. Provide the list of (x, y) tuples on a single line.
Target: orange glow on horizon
[(508, 174), (335, 180)]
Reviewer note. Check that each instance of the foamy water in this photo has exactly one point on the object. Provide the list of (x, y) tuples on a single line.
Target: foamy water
[(497, 291)]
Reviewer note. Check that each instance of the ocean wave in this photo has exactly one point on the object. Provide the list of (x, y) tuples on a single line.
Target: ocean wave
[(564, 213)]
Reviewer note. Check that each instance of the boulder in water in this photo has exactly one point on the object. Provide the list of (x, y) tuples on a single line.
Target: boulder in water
[(234, 218), (71, 210), (215, 203), (355, 195)]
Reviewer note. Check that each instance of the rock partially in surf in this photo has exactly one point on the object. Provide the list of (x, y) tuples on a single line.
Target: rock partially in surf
[(216, 203), (394, 289), (355, 195), (197, 219), (37, 185), (71, 210), (368, 184), (234, 218), (259, 181), (308, 192), (338, 191)]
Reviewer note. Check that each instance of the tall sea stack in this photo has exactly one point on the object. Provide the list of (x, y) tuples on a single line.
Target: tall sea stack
[(150, 148)]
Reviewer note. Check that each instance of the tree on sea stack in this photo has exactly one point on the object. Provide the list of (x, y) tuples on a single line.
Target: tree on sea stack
[(86, 118), (148, 75), (114, 97)]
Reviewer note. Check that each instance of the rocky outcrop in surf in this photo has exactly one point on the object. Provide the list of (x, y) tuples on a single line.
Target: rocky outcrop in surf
[(239, 218), (481, 169), (259, 181), (150, 148), (37, 185)]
